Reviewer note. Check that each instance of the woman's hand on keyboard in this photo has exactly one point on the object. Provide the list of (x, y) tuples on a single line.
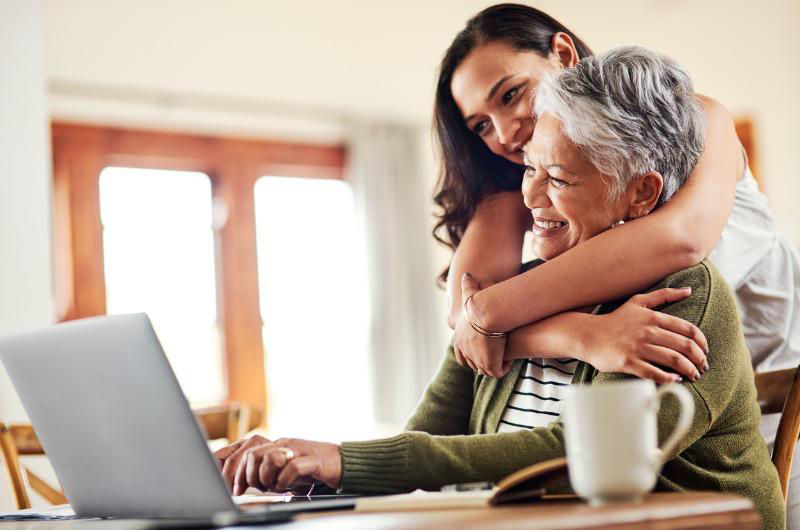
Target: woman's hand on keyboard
[(280, 465)]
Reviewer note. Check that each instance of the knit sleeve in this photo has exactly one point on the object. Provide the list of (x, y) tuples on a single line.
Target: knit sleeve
[(419, 460), (446, 405)]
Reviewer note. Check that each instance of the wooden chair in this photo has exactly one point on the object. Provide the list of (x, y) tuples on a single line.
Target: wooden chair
[(779, 392), (230, 422)]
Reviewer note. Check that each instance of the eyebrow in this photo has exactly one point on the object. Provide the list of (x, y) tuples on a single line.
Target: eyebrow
[(559, 166), (527, 161), (493, 91), (497, 86)]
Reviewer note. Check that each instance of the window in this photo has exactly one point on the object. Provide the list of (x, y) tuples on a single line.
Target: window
[(169, 229), (314, 304), (158, 247)]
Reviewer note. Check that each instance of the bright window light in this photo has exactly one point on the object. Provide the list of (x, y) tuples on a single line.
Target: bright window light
[(159, 259), (313, 290)]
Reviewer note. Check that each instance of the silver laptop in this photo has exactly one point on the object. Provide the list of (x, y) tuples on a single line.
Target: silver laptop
[(115, 424)]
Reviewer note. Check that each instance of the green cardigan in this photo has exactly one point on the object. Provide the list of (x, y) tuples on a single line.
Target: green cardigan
[(452, 436)]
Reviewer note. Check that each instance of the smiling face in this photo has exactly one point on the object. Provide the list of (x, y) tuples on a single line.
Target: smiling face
[(567, 195), (492, 88)]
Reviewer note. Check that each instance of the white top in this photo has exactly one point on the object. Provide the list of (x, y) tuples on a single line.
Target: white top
[(763, 270)]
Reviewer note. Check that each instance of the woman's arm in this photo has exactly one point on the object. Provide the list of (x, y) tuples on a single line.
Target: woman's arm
[(634, 256), (491, 249), (630, 340), (633, 339)]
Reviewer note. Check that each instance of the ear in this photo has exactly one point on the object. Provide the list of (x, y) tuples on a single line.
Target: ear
[(562, 50), (644, 193)]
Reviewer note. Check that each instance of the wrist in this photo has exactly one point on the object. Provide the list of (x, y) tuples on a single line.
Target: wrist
[(584, 327), (573, 336), (339, 471), (480, 311)]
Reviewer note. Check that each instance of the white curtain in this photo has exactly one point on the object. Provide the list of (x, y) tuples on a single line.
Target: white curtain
[(393, 198)]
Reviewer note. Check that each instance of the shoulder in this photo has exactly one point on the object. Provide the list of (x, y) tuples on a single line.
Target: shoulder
[(710, 293), (714, 109)]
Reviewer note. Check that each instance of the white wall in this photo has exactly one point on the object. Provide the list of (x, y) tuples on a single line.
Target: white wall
[(25, 270), (301, 69)]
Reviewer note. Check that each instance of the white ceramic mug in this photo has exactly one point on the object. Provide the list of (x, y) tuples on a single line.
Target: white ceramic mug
[(612, 440)]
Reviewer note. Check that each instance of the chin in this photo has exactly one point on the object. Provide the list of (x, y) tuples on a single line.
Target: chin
[(545, 253)]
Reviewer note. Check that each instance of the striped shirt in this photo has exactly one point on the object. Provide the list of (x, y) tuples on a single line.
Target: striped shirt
[(537, 397)]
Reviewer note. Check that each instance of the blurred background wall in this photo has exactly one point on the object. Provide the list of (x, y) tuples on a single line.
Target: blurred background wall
[(325, 72), (289, 68), (25, 265)]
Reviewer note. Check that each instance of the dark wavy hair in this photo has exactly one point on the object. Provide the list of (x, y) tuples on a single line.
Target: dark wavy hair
[(469, 170)]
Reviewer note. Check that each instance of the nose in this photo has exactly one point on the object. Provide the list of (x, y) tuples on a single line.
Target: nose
[(534, 192), (507, 129)]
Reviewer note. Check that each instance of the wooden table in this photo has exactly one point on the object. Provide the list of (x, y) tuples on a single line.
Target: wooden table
[(659, 510), (694, 510)]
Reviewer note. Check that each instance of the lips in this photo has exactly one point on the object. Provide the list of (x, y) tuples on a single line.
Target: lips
[(548, 224), (543, 227)]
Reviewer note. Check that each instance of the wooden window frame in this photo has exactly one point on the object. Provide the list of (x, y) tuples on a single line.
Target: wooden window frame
[(81, 152)]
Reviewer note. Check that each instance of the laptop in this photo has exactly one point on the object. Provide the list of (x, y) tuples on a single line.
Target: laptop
[(117, 428)]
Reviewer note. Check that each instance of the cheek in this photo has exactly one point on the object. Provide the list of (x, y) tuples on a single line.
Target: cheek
[(592, 221), (564, 204), (578, 213), (524, 107)]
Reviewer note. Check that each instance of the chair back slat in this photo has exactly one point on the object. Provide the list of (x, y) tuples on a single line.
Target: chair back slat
[(11, 458), (25, 440), (50, 494), (772, 388), (231, 421), (779, 392)]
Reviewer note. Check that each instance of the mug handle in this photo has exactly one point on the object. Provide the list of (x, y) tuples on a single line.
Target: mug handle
[(684, 420)]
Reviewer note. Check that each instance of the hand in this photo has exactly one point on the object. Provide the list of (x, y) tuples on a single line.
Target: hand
[(267, 466), (228, 457), (634, 338), (480, 353)]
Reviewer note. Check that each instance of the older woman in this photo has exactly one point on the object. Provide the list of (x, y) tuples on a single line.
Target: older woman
[(625, 126)]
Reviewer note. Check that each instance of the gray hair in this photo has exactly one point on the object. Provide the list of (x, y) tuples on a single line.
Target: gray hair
[(631, 111)]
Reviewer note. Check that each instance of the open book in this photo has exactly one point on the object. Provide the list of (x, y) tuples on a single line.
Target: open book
[(525, 485)]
